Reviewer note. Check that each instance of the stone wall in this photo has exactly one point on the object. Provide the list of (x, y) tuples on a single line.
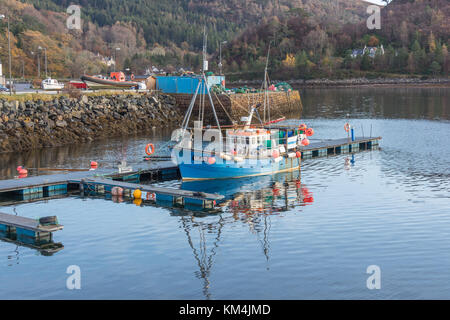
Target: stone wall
[(63, 120), (237, 105)]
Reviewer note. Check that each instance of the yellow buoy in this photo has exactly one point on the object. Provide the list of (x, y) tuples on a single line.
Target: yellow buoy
[(137, 194)]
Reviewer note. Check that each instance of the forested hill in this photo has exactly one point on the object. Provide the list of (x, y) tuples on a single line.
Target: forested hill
[(310, 38), (178, 21), (413, 40)]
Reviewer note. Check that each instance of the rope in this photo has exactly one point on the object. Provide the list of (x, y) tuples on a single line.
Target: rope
[(223, 107), (238, 104)]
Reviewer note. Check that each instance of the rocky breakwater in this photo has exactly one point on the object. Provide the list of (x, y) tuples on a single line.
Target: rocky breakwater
[(63, 120)]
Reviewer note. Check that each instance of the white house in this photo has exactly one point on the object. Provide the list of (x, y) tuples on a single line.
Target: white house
[(371, 51)]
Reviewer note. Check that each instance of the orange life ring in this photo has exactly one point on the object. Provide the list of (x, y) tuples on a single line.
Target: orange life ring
[(347, 127), (152, 147)]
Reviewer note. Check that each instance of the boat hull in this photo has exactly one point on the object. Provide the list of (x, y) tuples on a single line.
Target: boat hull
[(97, 83), (52, 87), (230, 169)]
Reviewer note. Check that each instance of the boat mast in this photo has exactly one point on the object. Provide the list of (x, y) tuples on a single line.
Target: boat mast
[(202, 85), (205, 68), (266, 93)]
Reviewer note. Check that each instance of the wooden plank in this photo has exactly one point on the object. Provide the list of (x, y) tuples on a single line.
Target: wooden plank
[(27, 223)]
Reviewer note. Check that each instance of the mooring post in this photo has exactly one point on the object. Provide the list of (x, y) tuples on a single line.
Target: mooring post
[(353, 134)]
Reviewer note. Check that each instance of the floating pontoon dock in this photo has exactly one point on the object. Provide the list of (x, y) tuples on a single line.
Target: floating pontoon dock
[(9, 220), (338, 146), (103, 180), (29, 232), (156, 193)]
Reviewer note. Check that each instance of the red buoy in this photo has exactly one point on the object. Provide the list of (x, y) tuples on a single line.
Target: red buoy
[(298, 154), (211, 160), (305, 142), (309, 132), (94, 164), (302, 127)]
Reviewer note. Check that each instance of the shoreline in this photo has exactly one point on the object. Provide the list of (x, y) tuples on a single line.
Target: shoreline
[(356, 82), (28, 125)]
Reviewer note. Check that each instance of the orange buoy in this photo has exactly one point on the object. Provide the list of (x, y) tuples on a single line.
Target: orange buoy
[(347, 127), (309, 132), (275, 153), (298, 154), (302, 127), (137, 194), (305, 142), (94, 164), (23, 171), (149, 152), (211, 160), (19, 168)]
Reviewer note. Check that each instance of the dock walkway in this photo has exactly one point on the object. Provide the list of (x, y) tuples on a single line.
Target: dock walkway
[(27, 223), (47, 186), (109, 184), (35, 184), (338, 146)]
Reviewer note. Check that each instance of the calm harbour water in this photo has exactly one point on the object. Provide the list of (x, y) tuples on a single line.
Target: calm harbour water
[(308, 235)]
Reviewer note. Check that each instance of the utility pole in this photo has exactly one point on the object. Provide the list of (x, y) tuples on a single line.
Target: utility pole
[(39, 65), (2, 16), (45, 59), (220, 54), (115, 58)]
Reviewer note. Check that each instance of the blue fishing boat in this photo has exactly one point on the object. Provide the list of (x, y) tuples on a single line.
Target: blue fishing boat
[(238, 150)]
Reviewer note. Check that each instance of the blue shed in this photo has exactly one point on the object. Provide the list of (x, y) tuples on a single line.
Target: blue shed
[(187, 85)]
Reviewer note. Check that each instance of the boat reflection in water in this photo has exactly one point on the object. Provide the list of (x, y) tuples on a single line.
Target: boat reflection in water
[(263, 194), (254, 201)]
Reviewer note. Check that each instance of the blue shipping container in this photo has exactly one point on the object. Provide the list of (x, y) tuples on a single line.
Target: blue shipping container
[(187, 85)]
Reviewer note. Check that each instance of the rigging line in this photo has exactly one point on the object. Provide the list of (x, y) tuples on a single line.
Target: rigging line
[(204, 101), (223, 107), (237, 103), (203, 273), (212, 106), (191, 107)]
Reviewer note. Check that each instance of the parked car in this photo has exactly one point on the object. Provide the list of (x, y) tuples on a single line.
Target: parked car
[(3, 89)]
